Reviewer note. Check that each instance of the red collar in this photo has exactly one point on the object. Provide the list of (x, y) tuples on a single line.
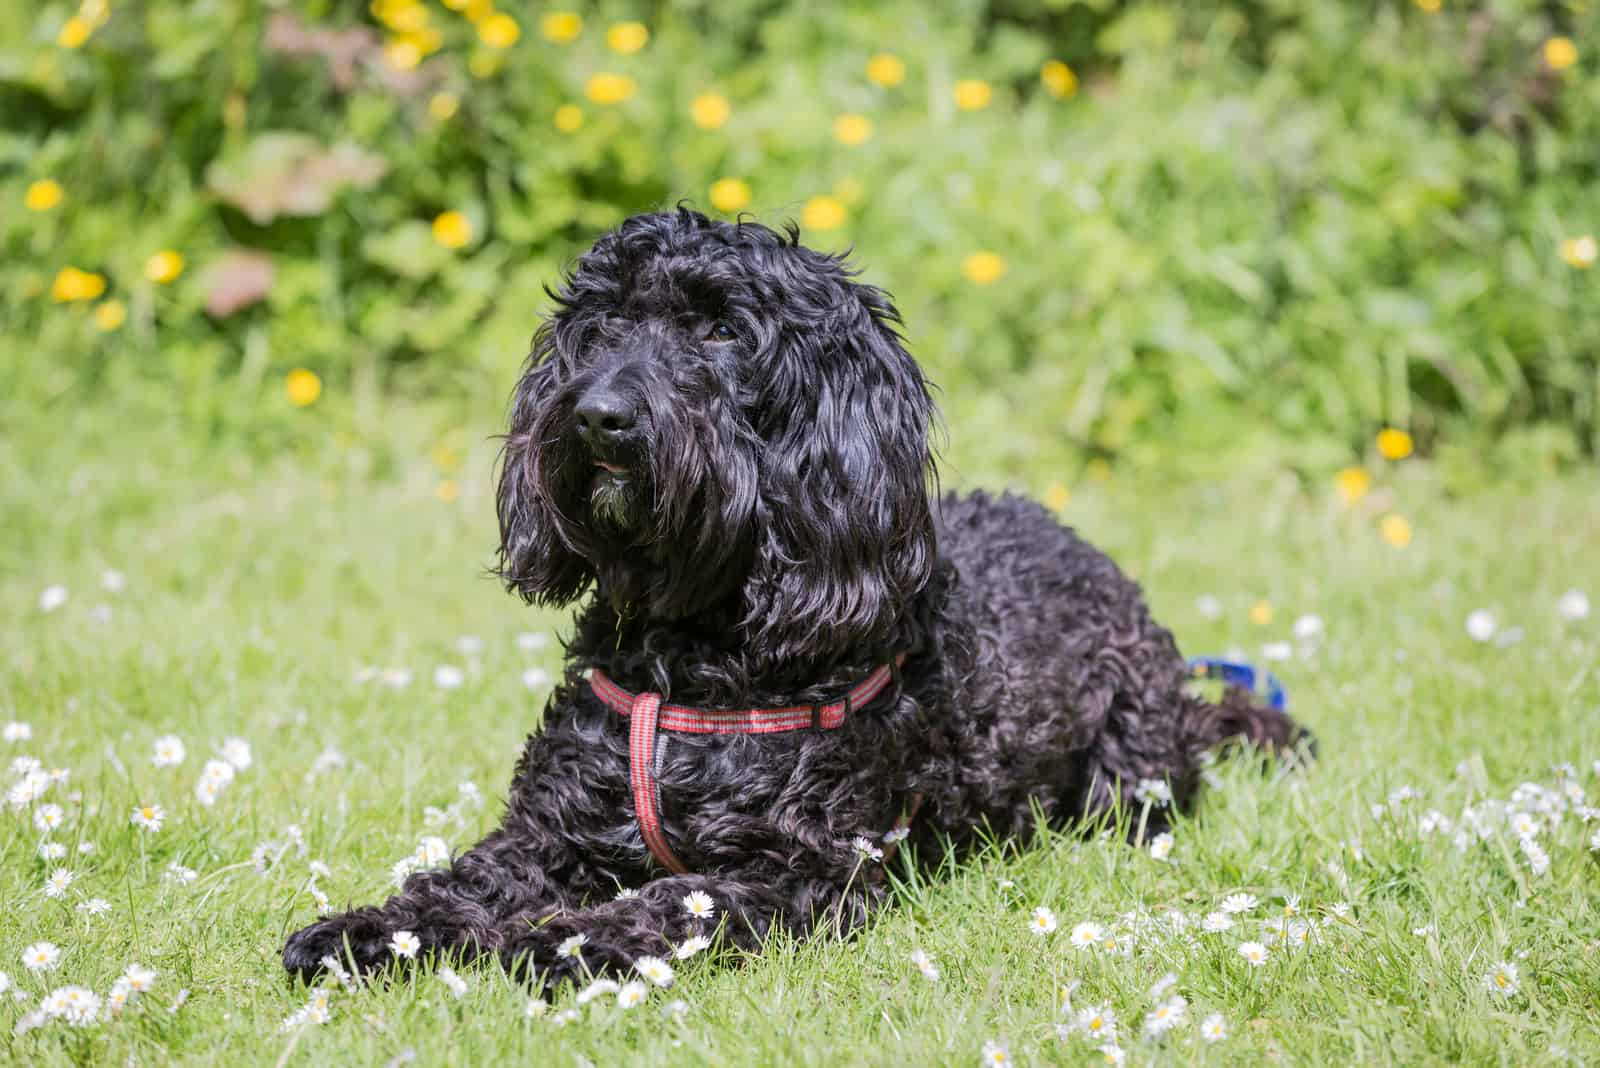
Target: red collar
[(647, 714)]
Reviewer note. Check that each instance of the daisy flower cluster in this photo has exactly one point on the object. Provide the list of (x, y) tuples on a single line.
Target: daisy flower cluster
[(431, 852), (469, 799), (1533, 819), (79, 1006), (453, 676), (1168, 1017)]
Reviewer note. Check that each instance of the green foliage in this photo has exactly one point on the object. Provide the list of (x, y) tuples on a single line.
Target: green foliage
[(1308, 218)]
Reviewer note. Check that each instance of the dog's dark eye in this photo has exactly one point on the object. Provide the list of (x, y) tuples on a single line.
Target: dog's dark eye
[(720, 331)]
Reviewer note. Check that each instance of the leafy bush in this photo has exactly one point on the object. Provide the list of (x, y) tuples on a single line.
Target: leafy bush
[(1111, 226)]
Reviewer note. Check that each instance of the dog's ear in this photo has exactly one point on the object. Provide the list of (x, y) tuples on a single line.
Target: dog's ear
[(536, 557), (846, 535)]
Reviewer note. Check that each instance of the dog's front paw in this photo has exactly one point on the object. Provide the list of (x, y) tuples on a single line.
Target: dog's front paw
[(357, 937)]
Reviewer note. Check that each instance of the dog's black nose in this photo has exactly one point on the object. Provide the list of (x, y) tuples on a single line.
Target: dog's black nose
[(604, 415)]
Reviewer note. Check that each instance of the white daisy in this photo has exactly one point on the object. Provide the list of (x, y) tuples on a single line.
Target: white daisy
[(996, 1055), (654, 969), (1308, 628), (865, 849), (140, 980), (631, 994), (1254, 952), (1481, 625), (531, 642), (924, 964), (675, 1010), (77, 1006), (112, 580), (1238, 903), (572, 947), (16, 732), (1161, 846), (48, 817), (469, 645), (1525, 825), (181, 874), (690, 946), (168, 751), (51, 850), (1043, 922), (52, 597), (448, 677), (1214, 1028), (221, 772), (536, 1008), (405, 944), (149, 817), (1574, 605), (41, 956), (598, 988), (456, 984), (1166, 1016), (1164, 984), (236, 751), (25, 766), (206, 791), (1277, 651), (85, 848), (1113, 1054), (56, 885), (536, 678), (1097, 1023), (1502, 980), (896, 835), (1085, 935), (1216, 921), (1153, 792), (698, 904), (626, 893), (1208, 606)]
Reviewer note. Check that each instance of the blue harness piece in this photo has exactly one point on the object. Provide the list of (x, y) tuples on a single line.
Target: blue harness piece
[(1245, 676)]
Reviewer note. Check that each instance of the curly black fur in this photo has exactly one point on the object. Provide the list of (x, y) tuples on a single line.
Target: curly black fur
[(756, 522)]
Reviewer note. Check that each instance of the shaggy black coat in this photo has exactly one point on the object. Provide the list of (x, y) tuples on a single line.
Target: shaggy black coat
[(720, 440)]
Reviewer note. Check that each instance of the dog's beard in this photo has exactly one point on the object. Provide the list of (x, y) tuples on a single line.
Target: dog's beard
[(614, 502)]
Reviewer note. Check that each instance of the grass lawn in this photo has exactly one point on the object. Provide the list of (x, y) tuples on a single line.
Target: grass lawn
[(254, 592)]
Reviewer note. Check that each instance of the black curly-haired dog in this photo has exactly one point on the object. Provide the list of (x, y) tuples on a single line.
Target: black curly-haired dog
[(721, 436)]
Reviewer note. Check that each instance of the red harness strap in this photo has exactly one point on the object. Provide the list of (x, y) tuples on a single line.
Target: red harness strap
[(647, 715)]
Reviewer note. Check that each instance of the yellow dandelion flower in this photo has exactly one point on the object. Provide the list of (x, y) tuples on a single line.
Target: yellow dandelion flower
[(477, 10), (1058, 79), (1560, 53), (561, 26), (402, 53), (569, 118), (443, 106), (452, 229), (972, 94), (729, 195), (402, 16), (484, 64), (110, 314), (1261, 613), (822, 213), (499, 30), (852, 129), (302, 386), (1430, 6), (710, 110), (71, 284), (1394, 444), (982, 268), (456, 5), (448, 491), (74, 32), (1352, 484), (1057, 497), (1396, 530), (626, 38), (163, 267), (1580, 252), (43, 195), (886, 69), (607, 88)]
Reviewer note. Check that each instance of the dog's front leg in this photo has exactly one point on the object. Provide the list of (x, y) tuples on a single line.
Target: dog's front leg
[(461, 909), (735, 910)]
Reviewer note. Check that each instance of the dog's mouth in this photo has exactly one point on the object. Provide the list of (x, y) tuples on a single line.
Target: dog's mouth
[(614, 469)]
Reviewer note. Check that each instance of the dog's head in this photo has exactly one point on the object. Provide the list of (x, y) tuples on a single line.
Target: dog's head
[(714, 417)]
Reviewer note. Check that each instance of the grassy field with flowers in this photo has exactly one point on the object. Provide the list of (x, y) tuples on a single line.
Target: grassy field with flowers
[(1290, 307), (237, 687)]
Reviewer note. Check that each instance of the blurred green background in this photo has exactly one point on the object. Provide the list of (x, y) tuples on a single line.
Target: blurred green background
[(1163, 236)]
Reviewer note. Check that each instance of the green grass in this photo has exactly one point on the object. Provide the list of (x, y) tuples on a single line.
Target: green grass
[(256, 589)]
